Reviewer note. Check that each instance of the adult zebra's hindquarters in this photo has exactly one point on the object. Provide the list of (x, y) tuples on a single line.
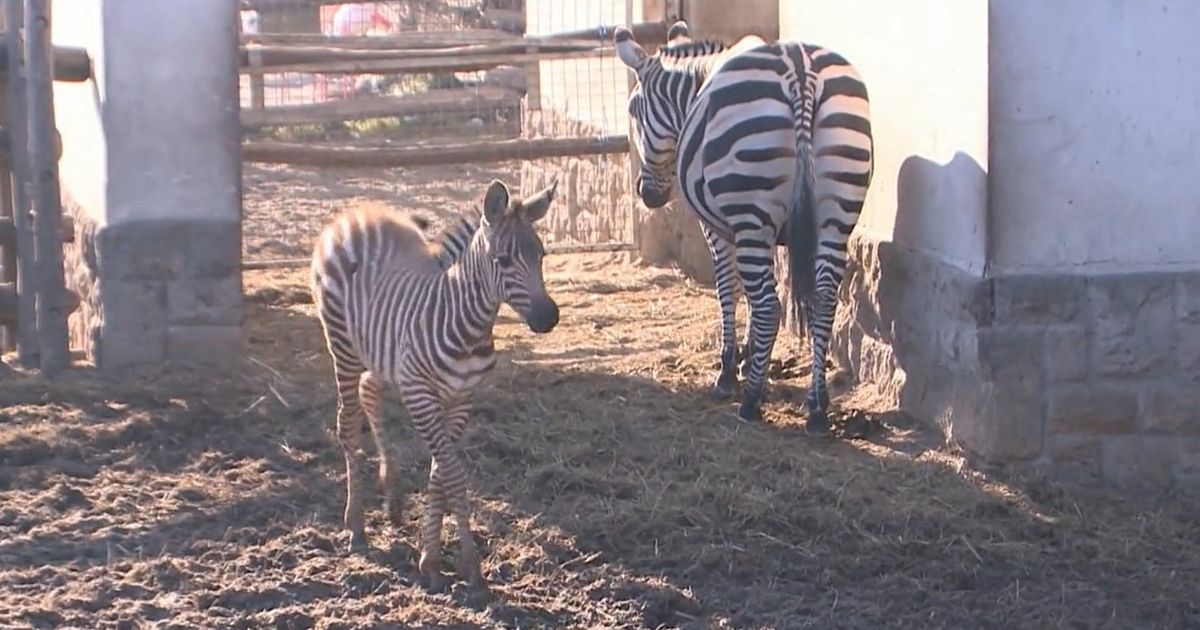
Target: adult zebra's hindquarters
[(770, 145), (396, 308)]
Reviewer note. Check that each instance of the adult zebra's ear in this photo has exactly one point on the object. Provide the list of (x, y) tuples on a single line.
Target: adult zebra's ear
[(535, 206), (495, 202), (628, 50), (679, 33)]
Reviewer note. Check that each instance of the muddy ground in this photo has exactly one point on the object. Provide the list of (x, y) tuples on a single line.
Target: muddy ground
[(609, 491)]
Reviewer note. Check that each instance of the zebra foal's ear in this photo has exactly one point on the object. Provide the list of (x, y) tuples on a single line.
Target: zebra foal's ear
[(535, 206), (631, 54), (678, 33), (495, 202)]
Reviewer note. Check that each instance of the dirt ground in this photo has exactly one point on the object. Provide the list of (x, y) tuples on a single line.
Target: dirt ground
[(609, 491)]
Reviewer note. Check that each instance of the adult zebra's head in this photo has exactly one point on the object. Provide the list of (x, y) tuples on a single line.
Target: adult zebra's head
[(514, 251), (666, 83)]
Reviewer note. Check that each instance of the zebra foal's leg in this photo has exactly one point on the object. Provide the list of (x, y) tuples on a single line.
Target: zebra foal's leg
[(729, 290), (756, 265), (820, 319), (440, 426), (369, 395), (455, 420), (349, 428)]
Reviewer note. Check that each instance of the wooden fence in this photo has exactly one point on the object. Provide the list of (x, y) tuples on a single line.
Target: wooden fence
[(34, 302), (416, 53)]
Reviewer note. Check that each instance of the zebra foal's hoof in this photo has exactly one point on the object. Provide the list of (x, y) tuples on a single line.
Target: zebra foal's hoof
[(358, 543), (431, 574), (723, 390), (817, 425), (750, 414)]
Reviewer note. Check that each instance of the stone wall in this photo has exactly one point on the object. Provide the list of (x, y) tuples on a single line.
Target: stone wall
[(1093, 377), (1111, 383), (155, 293)]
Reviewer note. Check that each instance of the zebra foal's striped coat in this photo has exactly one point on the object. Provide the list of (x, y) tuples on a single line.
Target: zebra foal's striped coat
[(770, 144), (397, 308)]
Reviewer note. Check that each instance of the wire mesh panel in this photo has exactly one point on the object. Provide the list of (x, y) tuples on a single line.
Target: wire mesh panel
[(418, 104)]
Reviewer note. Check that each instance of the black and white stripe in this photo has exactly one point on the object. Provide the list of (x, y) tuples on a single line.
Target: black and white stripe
[(398, 308), (770, 144)]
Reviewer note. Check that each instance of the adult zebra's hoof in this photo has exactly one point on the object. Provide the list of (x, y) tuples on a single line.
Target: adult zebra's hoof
[(817, 424)]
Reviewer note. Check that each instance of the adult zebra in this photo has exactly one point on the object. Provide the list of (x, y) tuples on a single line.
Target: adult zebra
[(771, 145), (397, 308)]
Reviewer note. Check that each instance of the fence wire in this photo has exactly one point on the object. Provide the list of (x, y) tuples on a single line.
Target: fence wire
[(418, 104)]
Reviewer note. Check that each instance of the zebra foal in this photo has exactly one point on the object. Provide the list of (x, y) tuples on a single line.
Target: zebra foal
[(397, 308), (770, 144)]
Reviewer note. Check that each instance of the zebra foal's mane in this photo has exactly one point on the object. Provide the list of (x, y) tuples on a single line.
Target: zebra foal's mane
[(687, 55)]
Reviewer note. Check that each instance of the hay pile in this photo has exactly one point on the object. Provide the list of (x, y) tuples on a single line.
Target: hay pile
[(610, 493)]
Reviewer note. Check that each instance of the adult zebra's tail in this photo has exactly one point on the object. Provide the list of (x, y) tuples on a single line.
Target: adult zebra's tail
[(802, 228)]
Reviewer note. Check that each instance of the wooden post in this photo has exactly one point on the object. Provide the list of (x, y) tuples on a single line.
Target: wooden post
[(27, 337), (8, 243), (53, 340)]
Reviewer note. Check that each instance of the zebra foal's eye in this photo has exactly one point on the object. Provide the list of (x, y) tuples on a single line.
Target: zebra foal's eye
[(504, 260)]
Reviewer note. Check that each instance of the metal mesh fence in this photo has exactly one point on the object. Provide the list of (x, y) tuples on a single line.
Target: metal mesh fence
[(418, 104)]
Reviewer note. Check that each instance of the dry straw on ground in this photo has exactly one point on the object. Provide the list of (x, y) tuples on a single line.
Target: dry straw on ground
[(610, 494)]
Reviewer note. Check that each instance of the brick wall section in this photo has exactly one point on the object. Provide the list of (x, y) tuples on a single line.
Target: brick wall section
[(1099, 375), (156, 293)]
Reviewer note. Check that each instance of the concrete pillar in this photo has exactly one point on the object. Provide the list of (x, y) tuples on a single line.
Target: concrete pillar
[(151, 173)]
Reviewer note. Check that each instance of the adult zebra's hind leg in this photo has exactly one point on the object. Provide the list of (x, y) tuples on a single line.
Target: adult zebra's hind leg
[(729, 290), (820, 317), (756, 266)]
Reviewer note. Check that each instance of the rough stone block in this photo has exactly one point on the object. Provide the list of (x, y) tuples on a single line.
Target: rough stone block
[(133, 332), (1171, 409), (1010, 428), (1076, 455), (1187, 349), (1012, 353), (144, 250), (205, 301), (1037, 299), (1066, 358), (1187, 464), (1138, 462), (1091, 410), (213, 249), (1133, 323), (1187, 300), (219, 346)]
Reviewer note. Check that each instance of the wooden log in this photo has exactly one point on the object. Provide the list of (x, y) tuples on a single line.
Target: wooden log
[(8, 231), (420, 40), (274, 56), (9, 312), (71, 63), (26, 308), (434, 101), (551, 248), (54, 346), (396, 64), (493, 151)]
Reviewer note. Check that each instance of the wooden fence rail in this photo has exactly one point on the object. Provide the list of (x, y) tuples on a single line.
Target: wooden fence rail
[(34, 301)]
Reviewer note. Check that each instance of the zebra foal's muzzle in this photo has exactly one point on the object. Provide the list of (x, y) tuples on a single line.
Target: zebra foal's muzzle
[(542, 316)]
